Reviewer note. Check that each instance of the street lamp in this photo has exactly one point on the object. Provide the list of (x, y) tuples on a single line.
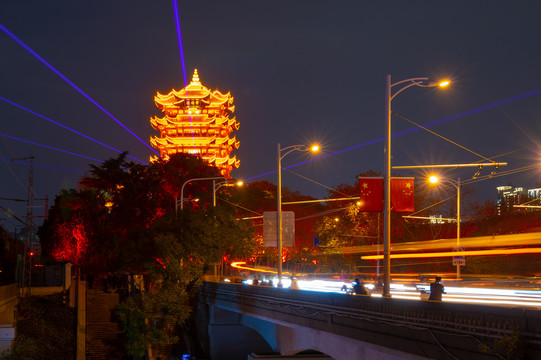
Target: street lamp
[(215, 187), (389, 96), (456, 184), (182, 190), (287, 150)]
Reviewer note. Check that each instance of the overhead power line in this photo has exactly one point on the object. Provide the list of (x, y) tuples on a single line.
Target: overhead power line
[(407, 131)]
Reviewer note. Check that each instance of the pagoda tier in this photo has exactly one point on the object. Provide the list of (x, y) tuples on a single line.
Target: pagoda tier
[(197, 121)]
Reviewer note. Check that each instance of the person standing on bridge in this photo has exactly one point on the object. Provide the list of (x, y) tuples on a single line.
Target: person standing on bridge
[(294, 284), (436, 290), (359, 287)]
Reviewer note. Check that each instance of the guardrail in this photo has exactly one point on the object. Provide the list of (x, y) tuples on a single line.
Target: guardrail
[(8, 291), (482, 324)]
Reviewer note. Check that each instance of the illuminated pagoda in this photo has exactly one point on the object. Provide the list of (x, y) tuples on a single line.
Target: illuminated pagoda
[(197, 122)]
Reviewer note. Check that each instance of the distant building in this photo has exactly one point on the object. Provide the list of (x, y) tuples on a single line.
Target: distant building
[(508, 196), (534, 197)]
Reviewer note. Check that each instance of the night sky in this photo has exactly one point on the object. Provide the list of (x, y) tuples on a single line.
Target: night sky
[(301, 72)]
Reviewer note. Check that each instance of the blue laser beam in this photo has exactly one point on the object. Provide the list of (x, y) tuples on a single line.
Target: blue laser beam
[(45, 166), (412, 129), (42, 60), (66, 127), (180, 48), (182, 61), (49, 147)]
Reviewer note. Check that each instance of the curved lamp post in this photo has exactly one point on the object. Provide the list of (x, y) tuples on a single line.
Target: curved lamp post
[(389, 96), (286, 151), (456, 184), (215, 188), (182, 190)]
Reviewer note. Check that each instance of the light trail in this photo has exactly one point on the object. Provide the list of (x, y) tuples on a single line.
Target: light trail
[(67, 128), (239, 265), (53, 69), (408, 288), (533, 238), (457, 253)]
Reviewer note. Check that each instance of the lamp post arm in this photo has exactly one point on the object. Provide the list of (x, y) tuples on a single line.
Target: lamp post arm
[(215, 188), (417, 79), (291, 149), (414, 82), (190, 180)]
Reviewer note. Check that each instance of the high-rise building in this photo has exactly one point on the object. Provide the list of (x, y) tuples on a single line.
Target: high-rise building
[(508, 196), (534, 197), (197, 121)]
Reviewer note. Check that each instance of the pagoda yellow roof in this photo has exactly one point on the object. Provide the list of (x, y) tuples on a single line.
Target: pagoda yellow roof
[(193, 141), (228, 160), (183, 141), (221, 162), (215, 120), (194, 90), (234, 123)]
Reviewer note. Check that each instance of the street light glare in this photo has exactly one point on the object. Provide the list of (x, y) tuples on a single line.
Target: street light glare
[(240, 183), (315, 148), (433, 179), (444, 83)]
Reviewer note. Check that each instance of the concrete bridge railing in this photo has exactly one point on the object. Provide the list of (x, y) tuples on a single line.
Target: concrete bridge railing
[(427, 329)]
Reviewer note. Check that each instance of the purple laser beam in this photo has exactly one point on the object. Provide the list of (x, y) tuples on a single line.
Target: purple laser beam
[(37, 56), (67, 128), (415, 128)]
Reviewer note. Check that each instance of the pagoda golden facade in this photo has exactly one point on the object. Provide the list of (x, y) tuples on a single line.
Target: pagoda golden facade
[(197, 121)]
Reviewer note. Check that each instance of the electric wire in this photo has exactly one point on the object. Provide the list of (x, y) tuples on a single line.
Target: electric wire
[(407, 131), (442, 137), (317, 183), (15, 176)]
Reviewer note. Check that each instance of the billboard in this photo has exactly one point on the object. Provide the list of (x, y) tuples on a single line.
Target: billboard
[(270, 231)]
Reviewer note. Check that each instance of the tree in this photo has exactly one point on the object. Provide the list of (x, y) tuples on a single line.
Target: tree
[(123, 219)]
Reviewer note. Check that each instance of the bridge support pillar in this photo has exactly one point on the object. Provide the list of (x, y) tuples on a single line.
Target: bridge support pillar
[(225, 329)]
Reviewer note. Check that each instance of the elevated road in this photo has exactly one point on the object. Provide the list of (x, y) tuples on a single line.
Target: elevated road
[(357, 327)]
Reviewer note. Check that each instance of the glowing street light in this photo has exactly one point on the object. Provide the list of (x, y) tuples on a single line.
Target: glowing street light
[(182, 190), (287, 150), (215, 187), (389, 96), (434, 180)]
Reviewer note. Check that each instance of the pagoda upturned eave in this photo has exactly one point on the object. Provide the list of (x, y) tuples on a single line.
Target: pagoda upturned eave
[(175, 121), (198, 140), (176, 98)]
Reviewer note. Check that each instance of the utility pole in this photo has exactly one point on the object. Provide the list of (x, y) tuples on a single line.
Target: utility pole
[(29, 233)]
